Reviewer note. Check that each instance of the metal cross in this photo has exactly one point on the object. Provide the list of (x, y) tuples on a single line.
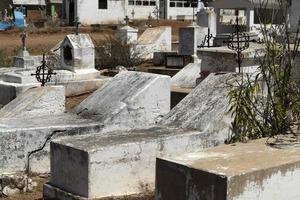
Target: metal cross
[(156, 13), (239, 42), (132, 13), (207, 39), (126, 19), (23, 37), (77, 24), (43, 73)]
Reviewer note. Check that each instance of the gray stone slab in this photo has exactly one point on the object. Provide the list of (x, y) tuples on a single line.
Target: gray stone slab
[(129, 100), (205, 108), (35, 102), (25, 135), (118, 163), (236, 172)]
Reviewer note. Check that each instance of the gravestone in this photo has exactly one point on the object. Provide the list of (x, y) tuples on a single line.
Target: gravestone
[(35, 102), (23, 59), (250, 170), (158, 39), (128, 34), (129, 100), (77, 53)]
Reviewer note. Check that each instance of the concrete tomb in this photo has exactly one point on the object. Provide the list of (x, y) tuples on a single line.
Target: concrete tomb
[(39, 101), (155, 40), (130, 100), (205, 108), (251, 170), (186, 78), (128, 34), (123, 162)]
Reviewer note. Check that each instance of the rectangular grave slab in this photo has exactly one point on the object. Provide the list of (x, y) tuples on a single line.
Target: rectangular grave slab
[(252, 171), (118, 163), (20, 137), (35, 102), (129, 100)]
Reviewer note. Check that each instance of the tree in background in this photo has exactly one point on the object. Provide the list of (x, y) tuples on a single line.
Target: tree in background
[(267, 103)]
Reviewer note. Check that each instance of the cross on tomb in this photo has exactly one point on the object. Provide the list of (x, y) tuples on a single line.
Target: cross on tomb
[(132, 13), (43, 73), (23, 37), (240, 44), (207, 39), (156, 13), (77, 24), (126, 19)]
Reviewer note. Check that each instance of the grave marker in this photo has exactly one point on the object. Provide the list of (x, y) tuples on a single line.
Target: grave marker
[(240, 44), (41, 75)]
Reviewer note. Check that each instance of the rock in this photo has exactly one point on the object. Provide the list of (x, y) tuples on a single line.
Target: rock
[(7, 191)]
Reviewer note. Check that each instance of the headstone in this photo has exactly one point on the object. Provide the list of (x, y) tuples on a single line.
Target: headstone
[(23, 59), (205, 108), (34, 102), (129, 100), (189, 39), (241, 171), (77, 52), (122, 163), (158, 39), (128, 34)]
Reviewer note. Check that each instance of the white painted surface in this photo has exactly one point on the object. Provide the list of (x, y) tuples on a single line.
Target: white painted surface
[(36, 102), (128, 34), (186, 77), (82, 50), (129, 100), (278, 186), (122, 163), (158, 39)]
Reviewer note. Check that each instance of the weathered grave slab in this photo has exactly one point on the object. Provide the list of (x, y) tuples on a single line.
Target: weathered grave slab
[(186, 78), (205, 108), (25, 137), (235, 172), (35, 102), (129, 100), (222, 59), (120, 163), (155, 40)]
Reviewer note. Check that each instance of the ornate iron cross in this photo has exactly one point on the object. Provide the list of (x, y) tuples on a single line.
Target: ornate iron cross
[(156, 13), (126, 19), (207, 39), (77, 24), (239, 42), (43, 73), (23, 37)]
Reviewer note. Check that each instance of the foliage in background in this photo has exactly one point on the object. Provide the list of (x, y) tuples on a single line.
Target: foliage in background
[(5, 59), (267, 103), (113, 52)]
